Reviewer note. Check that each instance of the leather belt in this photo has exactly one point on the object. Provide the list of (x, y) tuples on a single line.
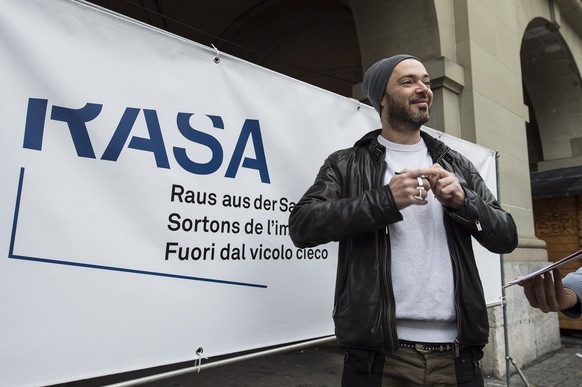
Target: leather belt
[(430, 347)]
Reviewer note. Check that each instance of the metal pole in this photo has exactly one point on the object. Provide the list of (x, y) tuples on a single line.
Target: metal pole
[(508, 359), (504, 300), (198, 368), (505, 330)]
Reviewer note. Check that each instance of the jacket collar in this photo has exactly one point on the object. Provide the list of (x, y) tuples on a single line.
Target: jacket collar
[(435, 146)]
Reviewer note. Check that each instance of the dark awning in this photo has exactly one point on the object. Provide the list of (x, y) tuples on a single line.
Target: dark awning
[(556, 182)]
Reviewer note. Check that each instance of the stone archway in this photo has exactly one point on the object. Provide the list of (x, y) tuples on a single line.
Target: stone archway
[(554, 95)]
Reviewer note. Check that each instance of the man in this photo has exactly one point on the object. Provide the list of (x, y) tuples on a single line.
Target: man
[(409, 306), (556, 295)]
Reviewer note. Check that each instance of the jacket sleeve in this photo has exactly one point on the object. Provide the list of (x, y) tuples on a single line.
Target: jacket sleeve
[(328, 211), (573, 281), (482, 215)]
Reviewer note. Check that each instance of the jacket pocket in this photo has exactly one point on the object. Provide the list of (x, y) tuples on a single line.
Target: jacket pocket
[(358, 325)]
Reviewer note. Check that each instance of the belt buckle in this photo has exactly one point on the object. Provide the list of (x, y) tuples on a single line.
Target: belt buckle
[(434, 348), (421, 348)]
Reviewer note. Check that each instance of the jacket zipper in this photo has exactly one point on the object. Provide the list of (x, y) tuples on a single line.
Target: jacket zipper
[(477, 222), (440, 157), (390, 336), (389, 316), (456, 343)]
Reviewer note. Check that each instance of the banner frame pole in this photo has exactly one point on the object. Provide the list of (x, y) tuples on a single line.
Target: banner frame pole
[(200, 367)]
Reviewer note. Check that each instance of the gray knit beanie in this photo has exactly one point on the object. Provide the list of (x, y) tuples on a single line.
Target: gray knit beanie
[(377, 76)]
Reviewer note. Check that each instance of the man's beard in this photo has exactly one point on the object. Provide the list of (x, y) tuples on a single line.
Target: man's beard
[(403, 119)]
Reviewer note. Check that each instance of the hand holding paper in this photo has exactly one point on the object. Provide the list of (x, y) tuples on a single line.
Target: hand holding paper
[(548, 294), (572, 257)]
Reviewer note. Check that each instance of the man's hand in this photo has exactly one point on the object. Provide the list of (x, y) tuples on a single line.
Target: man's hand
[(410, 187), (446, 188), (547, 294)]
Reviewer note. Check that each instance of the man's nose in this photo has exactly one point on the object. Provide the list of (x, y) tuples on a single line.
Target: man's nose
[(423, 87), (423, 90)]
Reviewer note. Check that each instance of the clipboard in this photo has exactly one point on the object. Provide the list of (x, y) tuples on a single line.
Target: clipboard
[(572, 257)]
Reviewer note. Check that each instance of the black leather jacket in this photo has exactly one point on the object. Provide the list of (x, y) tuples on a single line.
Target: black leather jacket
[(349, 203)]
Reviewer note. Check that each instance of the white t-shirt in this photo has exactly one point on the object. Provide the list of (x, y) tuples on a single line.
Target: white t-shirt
[(422, 273)]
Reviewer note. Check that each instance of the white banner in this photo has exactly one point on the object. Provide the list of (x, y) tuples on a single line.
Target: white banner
[(145, 196)]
